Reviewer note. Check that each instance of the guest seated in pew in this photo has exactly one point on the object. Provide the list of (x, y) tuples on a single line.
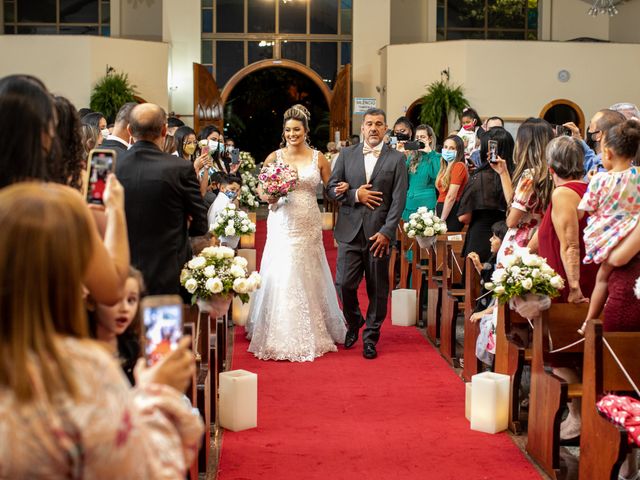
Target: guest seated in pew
[(119, 326), (485, 307), (560, 236), (66, 409)]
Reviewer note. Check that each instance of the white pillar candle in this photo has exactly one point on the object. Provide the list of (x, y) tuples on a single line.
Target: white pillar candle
[(490, 402), (403, 307), (238, 400), (249, 241), (467, 400), (327, 221), (240, 311), (250, 255)]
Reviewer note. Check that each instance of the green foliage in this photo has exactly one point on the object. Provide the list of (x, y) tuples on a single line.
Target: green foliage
[(110, 93), (439, 101)]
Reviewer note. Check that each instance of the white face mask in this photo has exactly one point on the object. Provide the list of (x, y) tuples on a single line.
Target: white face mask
[(105, 133), (213, 145)]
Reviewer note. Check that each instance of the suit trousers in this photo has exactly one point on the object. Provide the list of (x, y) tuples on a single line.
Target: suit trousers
[(355, 260)]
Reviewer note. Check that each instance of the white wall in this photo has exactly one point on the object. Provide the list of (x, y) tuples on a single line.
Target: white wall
[(371, 32), (70, 65), (520, 78), (178, 20), (142, 19)]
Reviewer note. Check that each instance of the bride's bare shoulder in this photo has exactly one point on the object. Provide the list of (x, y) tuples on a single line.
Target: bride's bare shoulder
[(271, 157)]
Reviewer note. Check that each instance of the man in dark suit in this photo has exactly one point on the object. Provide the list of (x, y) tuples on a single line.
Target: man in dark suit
[(118, 140), (367, 222), (162, 202)]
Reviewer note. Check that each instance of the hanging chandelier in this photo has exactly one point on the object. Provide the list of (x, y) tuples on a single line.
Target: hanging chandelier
[(601, 7)]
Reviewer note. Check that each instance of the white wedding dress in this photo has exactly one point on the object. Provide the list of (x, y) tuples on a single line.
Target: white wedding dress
[(295, 314)]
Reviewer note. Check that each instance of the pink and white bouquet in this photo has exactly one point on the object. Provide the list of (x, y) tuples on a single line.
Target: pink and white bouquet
[(278, 179)]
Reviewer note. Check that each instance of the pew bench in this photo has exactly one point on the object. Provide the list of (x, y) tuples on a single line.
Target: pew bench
[(452, 295), (603, 444), (471, 365)]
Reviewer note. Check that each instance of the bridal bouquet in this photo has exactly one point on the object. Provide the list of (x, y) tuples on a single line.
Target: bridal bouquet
[(526, 281), (424, 225), (216, 271), (278, 179), (231, 222)]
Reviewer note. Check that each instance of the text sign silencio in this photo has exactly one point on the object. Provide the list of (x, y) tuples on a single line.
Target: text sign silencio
[(362, 104)]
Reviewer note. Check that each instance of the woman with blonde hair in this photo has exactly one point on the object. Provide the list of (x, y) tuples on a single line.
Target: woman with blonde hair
[(451, 181), (63, 399)]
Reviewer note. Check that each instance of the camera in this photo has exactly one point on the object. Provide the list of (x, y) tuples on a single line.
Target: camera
[(402, 137), (415, 145)]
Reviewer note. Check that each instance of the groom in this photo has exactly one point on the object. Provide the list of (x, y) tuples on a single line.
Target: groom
[(367, 222)]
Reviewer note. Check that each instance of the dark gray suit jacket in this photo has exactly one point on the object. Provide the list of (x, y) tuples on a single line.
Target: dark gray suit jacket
[(389, 177)]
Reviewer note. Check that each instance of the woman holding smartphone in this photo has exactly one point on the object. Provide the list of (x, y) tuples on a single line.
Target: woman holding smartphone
[(63, 398)]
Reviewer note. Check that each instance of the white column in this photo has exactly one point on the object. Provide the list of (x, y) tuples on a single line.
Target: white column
[(181, 30)]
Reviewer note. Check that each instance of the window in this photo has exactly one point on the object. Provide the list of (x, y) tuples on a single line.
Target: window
[(64, 17), (487, 19), (237, 33), (51, 17)]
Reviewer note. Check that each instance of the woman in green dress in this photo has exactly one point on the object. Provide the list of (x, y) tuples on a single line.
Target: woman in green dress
[(423, 166)]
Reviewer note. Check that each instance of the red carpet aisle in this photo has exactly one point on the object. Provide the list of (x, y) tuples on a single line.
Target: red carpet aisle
[(400, 416)]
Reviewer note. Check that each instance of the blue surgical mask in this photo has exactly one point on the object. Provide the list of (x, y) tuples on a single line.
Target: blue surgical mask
[(449, 155), (231, 195)]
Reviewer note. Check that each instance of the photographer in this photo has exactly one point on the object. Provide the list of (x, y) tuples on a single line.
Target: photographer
[(423, 165)]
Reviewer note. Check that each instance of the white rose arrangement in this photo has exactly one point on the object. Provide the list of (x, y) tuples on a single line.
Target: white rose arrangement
[(424, 223), (247, 198), (217, 271), (247, 162), (231, 222), (524, 273)]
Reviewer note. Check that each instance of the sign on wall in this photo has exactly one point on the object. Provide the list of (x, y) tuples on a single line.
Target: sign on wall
[(362, 104)]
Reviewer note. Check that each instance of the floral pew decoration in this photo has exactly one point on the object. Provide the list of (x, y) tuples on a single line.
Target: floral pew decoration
[(424, 225), (230, 224)]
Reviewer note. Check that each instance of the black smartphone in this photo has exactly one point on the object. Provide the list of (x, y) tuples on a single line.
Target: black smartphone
[(100, 164), (414, 145), (493, 151), (162, 322)]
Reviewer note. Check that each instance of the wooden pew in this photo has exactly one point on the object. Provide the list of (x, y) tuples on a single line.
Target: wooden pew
[(419, 268), (434, 281), (603, 445), (510, 359), (452, 296), (189, 328), (203, 389), (471, 330), (405, 246), (549, 393)]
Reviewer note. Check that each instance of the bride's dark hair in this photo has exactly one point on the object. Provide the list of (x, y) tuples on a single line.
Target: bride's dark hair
[(300, 113)]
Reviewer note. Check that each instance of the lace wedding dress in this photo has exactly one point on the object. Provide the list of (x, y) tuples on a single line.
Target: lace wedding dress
[(295, 314)]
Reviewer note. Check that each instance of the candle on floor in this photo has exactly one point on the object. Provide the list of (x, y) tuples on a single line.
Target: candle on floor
[(240, 311), (490, 402), (249, 241), (467, 400), (238, 393), (250, 255), (403, 307), (327, 220)]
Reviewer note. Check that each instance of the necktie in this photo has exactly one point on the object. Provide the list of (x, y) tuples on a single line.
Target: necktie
[(367, 150)]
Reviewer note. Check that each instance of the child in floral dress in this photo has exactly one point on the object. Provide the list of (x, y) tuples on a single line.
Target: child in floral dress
[(613, 201)]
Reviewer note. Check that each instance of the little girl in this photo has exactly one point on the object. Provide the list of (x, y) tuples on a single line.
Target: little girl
[(119, 325), (612, 235)]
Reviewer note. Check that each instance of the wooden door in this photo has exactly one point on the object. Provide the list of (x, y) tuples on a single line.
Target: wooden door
[(341, 104), (207, 101)]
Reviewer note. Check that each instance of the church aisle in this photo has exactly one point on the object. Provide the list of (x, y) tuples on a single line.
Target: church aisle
[(400, 416)]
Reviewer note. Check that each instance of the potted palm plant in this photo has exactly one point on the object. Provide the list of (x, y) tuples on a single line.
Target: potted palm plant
[(110, 93), (440, 100)]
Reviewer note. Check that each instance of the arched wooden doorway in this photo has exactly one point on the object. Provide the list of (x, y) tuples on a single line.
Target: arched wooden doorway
[(562, 111), (209, 100)]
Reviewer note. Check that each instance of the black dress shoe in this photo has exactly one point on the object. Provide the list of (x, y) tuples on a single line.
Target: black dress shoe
[(350, 338), (369, 351)]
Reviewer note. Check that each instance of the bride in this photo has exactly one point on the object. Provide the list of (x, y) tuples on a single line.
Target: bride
[(295, 315)]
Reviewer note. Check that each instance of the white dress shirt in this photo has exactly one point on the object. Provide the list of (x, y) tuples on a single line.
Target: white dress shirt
[(370, 161), (118, 139)]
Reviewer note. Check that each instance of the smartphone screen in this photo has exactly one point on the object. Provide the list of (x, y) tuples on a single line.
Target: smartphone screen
[(162, 327), (235, 155), (393, 142), (493, 151), (100, 164)]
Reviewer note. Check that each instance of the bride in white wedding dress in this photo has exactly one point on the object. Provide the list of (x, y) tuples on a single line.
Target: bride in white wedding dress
[(295, 314)]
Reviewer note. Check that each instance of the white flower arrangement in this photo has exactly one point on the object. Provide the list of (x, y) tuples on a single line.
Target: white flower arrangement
[(424, 223), (247, 198), (247, 162), (524, 273), (217, 271), (231, 222)]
